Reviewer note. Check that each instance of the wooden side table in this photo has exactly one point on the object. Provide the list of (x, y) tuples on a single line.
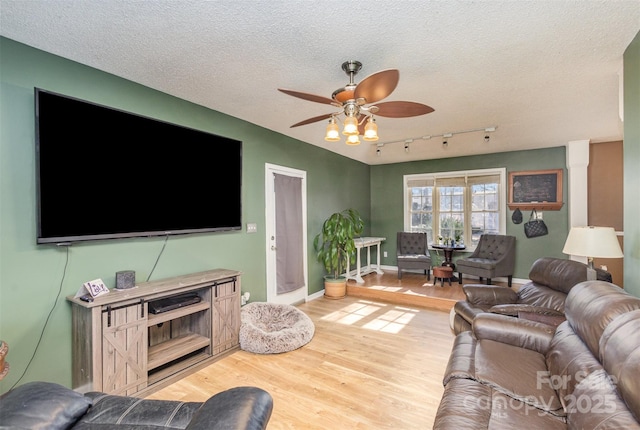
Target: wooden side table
[(442, 273)]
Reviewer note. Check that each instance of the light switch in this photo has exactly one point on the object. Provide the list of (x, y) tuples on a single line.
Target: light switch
[(252, 227)]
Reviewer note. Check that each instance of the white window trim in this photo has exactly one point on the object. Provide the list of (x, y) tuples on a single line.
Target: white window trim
[(502, 171)]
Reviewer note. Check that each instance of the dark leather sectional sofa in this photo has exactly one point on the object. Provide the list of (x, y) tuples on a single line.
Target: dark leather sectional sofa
[(46, 405), (510, 372)]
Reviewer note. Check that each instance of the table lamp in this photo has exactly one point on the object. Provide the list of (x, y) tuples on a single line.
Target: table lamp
[(590, 242)]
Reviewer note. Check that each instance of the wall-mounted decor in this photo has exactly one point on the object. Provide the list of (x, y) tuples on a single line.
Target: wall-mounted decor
[(536, 189)]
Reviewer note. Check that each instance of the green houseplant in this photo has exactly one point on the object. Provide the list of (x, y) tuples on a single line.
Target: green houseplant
[(334, 244)]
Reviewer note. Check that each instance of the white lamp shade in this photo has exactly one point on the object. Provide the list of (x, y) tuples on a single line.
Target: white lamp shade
[(587, 241)]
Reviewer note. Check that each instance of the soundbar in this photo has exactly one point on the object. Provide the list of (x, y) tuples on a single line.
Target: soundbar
[(174, 302)]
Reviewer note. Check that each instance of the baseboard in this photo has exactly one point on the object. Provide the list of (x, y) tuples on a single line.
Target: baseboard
[(517, 281)]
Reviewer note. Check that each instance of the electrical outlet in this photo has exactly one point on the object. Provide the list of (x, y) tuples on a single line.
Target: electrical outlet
[(252, 227), (538, 215), (384, 254)]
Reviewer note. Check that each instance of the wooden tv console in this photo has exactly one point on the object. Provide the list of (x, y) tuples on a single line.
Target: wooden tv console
[(120, 348)]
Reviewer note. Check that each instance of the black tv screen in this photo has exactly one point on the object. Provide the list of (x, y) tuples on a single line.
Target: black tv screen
[(103, 173)]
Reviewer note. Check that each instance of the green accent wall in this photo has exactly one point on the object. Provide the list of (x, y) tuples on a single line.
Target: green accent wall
[(387, 201), (34, 279), (631, 162)]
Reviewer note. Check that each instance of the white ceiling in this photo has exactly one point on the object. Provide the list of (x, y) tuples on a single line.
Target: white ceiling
[(544, 72)]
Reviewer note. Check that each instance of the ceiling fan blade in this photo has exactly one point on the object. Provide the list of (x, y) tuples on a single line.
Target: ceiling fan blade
[(309, 97), (402, 109), (312, 120), (377, 86)]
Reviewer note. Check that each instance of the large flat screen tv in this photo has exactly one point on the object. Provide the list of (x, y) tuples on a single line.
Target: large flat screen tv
[(103, 173)]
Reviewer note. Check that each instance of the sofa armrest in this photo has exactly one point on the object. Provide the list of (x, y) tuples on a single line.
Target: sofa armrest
[(489, 295), (238, 408), (513, 331)]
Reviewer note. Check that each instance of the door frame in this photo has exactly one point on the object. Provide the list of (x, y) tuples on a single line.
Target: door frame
[(301, 294)]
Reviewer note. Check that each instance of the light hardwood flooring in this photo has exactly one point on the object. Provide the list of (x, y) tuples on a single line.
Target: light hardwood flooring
[(372, 363)]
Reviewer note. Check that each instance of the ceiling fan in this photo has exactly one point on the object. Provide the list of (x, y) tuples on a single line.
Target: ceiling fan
[(358, 102)]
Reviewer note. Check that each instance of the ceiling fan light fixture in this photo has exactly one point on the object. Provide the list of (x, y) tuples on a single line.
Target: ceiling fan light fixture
[(350, 126), (333, 133), (371, 130), (353, 140)]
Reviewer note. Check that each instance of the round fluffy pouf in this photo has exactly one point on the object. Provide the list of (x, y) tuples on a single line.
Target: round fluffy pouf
[(270, 328)]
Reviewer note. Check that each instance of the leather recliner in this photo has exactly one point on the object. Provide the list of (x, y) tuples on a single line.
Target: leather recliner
[(39, 405), (551, 279)]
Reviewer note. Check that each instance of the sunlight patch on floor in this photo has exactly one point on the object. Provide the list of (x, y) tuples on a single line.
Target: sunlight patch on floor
[(374, 316)]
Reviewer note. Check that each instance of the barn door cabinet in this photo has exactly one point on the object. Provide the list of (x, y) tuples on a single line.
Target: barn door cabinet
[(121, 348)]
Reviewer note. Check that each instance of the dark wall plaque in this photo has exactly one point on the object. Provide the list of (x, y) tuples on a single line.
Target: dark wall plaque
[(539, 189)]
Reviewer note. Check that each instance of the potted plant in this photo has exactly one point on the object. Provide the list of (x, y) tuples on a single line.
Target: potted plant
[(333, 245)]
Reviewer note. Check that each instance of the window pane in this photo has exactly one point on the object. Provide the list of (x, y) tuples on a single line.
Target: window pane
[(438, 205)]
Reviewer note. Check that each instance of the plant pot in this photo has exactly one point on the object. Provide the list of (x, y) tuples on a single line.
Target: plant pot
[(335, 288)]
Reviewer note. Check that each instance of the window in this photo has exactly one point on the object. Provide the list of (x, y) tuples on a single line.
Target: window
[(456, 205)]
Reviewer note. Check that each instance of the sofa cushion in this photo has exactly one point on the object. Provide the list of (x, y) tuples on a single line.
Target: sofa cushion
[(491, 363), (595, 404), (592, 305), (542, 296), (558, 274), (569, 361), (620, 356), (133, 412), (468, 404), (42, 405)]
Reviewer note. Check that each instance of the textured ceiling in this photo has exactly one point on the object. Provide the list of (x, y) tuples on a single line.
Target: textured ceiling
[(543, 72)]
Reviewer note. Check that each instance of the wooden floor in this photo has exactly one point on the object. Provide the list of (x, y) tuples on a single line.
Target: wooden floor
[(376, 360)]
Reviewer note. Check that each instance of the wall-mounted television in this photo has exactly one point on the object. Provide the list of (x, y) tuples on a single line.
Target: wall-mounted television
[(103, 173)]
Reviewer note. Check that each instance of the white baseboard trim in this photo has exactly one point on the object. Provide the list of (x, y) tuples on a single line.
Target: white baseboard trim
[(315, 296)]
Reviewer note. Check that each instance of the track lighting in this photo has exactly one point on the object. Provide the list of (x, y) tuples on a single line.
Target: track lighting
[(379, 149), (406, 144), (446, 137)]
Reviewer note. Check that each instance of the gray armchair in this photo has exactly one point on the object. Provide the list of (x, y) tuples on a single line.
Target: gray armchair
[(494, 256), (412, 253)]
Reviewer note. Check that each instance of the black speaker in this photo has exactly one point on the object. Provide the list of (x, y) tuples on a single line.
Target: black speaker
[(125, 279)]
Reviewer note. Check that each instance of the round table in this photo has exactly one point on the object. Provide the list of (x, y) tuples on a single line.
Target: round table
[(448, 253)]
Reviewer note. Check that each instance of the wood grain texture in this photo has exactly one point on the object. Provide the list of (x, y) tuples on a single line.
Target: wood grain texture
[(370, 365)]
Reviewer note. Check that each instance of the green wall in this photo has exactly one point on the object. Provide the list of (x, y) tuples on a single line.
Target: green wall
[(387, 201), (631, 163), (34, 279)]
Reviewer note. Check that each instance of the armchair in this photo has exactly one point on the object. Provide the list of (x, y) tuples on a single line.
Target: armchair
[(550, 280), (412, 252), (494, 256)]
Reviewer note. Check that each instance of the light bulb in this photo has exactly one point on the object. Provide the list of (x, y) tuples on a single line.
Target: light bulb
[(332, 134), (350, 126), (371, 130), (353, 140)]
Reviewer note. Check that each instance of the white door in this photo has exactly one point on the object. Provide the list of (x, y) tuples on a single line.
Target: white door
[(299, 295)]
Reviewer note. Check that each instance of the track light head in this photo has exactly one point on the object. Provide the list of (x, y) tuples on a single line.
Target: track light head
[(487, 138)]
